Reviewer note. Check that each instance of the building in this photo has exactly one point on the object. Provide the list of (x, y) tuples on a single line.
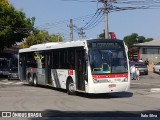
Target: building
[(14, 49), (147, 50)]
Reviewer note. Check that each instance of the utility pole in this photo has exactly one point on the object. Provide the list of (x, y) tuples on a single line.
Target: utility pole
[(81, 33), (106, 19), (71, 30), (105, 2)]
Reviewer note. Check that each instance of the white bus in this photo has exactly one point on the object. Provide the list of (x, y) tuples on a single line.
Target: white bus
[(89, 66)]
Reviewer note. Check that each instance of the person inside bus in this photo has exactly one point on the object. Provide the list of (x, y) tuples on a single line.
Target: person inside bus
[(96, 64), (121, 65), (100, 64)]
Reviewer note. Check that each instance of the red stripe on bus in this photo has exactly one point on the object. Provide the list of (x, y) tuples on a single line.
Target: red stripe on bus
[(110, 76)]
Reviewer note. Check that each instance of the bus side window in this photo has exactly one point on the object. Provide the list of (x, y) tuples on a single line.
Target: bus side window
[(71, 59), (55, 59), (31, 62)]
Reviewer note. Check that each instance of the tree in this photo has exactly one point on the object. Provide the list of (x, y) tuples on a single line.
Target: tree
[(148, 39), (38, 37), (14, 26), (134, 38), (102, 35), (131, 39)]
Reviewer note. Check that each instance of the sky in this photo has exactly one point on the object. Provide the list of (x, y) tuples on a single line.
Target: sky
[(54, 16)]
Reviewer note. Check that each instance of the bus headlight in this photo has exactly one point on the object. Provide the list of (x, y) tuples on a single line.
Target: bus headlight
[(101, 81), (95, 80), (125, 79)]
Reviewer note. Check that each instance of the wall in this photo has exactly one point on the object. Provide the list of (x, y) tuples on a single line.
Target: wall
[(151, 53)]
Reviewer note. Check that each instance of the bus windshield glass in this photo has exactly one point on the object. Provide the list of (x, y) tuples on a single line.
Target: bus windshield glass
[(7, 61), (107, 57)]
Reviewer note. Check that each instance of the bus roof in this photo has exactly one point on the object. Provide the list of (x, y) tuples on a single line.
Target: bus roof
[(58, 45), (54, 45)]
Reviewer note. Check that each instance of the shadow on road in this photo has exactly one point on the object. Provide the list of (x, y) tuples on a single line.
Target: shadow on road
[(106, 95), (91, 96)]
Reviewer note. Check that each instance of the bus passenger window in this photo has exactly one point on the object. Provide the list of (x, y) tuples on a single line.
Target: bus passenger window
[(71, 59)]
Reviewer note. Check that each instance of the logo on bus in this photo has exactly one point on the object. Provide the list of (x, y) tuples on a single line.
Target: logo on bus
[(112, 85), (70, 72)]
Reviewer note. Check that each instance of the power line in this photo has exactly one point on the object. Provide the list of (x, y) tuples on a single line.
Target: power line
[(95, 22), (64, 21), (17, 30), (93, 17)]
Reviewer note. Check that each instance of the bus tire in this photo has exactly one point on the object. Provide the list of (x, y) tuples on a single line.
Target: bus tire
[(35, 81), (30, 80), (70, 87)]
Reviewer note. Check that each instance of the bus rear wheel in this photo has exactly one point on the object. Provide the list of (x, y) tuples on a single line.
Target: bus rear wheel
[(30, 80), (35, 80), (70, 87)]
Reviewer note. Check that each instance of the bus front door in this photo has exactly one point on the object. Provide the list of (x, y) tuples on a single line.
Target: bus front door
[(80, 69), (48, 68), (22, 66)]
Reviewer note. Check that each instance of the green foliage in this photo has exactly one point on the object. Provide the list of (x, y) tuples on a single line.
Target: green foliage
[(101, 36), (130, 39), (148, 39), (38, 37), (134, 38), (14, 26)]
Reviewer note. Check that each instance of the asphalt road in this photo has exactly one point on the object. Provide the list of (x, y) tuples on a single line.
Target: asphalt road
[(146, 82), (138, 101)]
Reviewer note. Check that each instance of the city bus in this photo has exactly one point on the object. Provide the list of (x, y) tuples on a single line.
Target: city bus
[(89, 66), (7, 62)]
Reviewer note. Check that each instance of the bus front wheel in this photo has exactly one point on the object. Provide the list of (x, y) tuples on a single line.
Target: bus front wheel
[(70, 87)]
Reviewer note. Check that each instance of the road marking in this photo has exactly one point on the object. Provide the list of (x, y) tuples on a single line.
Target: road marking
[(7, 83), (2, 82), (5, 80), (145, 84), (155, 90), (18, 83), (11, 83)]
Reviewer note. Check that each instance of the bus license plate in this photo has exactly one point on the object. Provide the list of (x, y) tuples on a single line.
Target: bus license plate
[(112, 85)]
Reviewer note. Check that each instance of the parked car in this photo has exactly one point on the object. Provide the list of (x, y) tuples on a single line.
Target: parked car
[(143, 69), (156, 68), (13, 73)]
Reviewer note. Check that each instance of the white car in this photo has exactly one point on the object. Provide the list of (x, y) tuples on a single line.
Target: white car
[(156, 68)]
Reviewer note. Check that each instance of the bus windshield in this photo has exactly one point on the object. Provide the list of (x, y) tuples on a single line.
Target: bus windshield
[(7, 61), (110, 59), (4, 63)]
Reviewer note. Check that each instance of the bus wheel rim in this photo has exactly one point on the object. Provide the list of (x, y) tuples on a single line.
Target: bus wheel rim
[(71, 87), (30, 79), (35, 81)]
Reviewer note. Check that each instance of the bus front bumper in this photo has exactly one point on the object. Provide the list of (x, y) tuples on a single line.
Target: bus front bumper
[(109, 87)]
